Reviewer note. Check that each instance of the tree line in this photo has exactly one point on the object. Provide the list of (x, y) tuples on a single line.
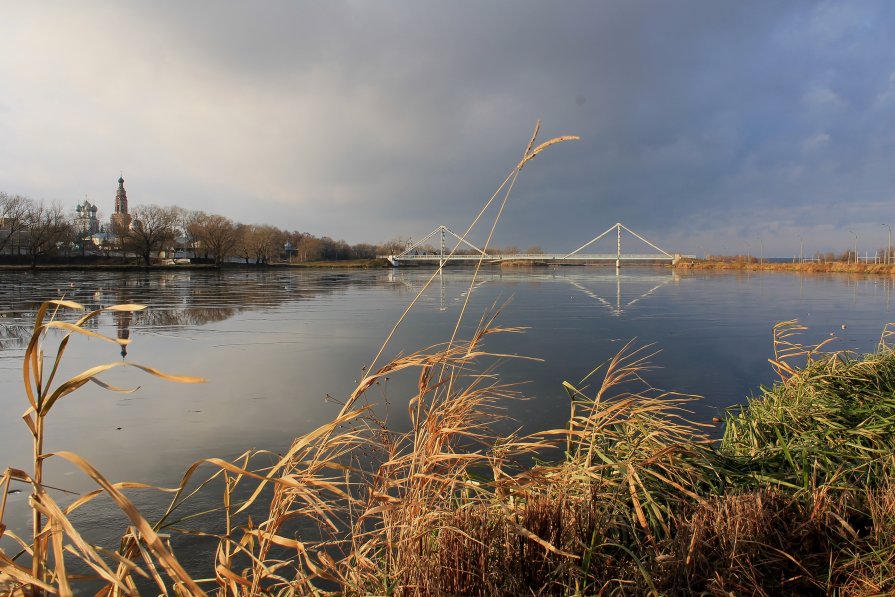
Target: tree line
[(40, 229)]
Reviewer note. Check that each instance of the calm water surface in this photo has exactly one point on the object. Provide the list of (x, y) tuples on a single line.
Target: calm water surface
[(273, 344)]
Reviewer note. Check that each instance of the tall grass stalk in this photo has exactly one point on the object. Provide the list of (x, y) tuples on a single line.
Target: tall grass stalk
[(49, 521)]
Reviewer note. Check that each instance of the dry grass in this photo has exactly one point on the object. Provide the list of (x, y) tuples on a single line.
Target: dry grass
[(641, 502), (51, 525), (752, 264)]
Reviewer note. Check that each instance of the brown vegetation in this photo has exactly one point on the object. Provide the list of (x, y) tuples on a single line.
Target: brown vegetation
[(628, 498), (812, 266)]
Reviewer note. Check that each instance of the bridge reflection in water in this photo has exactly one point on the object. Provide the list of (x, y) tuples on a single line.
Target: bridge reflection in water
[(618, 307), (606, 289)]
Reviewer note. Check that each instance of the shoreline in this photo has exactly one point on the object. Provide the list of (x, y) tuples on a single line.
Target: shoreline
[(806, 267), (348, 263), (683, 265)]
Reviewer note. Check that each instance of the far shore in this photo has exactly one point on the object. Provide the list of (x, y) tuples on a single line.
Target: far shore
[(682, 265), (806, 266), (134, 266)]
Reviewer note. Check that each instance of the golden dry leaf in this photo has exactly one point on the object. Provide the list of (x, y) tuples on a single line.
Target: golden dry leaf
[(130, 307)]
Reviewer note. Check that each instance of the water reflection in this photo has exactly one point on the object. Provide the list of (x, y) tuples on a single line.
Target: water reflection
[(186, 316), (176, 299), (13, 334), (618, 308), (195, 299), (587, 284), (269, 336), (123, 327), (273, 344)]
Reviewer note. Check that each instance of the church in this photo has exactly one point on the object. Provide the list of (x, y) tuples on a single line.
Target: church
[(89, 225), (85, 219), (121, 220)]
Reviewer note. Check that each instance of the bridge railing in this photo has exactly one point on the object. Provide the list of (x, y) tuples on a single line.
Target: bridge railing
[(539, 257)]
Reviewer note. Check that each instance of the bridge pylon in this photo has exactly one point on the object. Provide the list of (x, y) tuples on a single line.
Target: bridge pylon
[(618, 226), (442, 231)]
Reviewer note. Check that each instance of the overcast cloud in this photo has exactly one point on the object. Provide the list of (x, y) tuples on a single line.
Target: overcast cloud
[(704, 125)]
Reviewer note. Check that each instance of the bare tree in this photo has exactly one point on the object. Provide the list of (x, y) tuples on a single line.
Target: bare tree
[(309, 248), (259, 242), (245, 233), (333, 250), (153, 228), (215, 234), (46, 226), (267, 242), (13, 209), (192, 224), (363, 251), (394, 246)]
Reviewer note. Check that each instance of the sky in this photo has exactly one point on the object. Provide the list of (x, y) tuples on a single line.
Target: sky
[(706, 126)]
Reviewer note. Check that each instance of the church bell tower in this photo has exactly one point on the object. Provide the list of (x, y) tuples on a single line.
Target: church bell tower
[(121, 220)]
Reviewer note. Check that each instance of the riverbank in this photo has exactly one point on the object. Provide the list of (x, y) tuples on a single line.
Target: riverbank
[(687, 264), (347, 263), (129, 267), (811, 267), (797, 497), (344, 263)]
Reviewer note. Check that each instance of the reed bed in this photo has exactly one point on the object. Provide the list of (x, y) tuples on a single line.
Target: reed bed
[(747, 263), (628, 498)]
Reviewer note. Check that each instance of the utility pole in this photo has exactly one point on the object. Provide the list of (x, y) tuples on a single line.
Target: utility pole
[(889, 244), (856, 244), (800, 249), (760, 251)]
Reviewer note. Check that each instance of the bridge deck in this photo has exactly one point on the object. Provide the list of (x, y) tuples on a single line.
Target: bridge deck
[(412, 253), (578, 257)]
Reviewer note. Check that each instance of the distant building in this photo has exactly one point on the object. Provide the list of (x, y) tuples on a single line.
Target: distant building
[(102, 239), (121, 220), (85, 219)]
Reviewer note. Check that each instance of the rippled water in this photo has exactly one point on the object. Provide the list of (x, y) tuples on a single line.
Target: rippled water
[(274, 343)]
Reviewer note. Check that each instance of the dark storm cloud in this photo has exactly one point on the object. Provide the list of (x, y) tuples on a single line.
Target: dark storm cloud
[(702, 123)]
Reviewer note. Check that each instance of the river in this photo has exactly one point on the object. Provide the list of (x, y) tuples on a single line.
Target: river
[(274, 344)]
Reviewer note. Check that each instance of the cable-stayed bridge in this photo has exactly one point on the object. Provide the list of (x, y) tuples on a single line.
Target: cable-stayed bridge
[(464, 251)]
